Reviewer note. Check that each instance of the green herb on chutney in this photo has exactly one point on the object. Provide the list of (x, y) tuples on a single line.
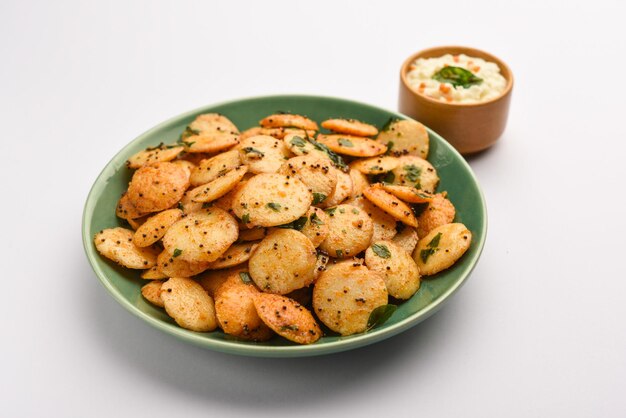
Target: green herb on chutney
[(457, 76)]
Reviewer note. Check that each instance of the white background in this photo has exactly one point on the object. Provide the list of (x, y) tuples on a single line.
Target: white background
[(539, 329)]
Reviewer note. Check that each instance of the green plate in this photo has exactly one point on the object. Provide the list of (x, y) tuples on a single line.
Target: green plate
[(124, 285)]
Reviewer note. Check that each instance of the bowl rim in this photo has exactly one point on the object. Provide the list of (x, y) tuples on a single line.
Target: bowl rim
[(234, 346), (468, 51)]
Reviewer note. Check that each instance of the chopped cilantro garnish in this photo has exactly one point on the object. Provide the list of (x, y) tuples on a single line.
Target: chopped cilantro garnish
[(318, 198), (381, 250), (250, 150), (298, 142), (315, 219), (274, 206), (245, 277), (413, 172), (344, 142)]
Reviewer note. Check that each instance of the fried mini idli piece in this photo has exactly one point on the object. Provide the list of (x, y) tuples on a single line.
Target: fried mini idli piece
[(288, 120), (384, 224), (201, 236), (401, 275), (160, 153), (157, 187), (236, 313), (415, 172), (407, 239), (210, 133), (318, 174), (350, 231), (408, 194), (189, 304), (153, 273), (316, 227), (271, 200), (263, 153), (342, 191), (152, 292), (218, 187), (174, 266), (440, 211), (117, 245), (283, 262), (405, 137), (210, 169), (391, 204), (350, 127), (345, 295), (155, 227), (441, 248), (126, 210), (355, 146), (235, 255), (375, 165), (287, 318)]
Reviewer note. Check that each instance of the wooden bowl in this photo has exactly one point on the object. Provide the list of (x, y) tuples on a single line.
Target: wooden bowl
[(469, 127)]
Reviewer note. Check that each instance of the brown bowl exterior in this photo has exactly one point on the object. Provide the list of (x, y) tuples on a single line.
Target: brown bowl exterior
[(469, 127)]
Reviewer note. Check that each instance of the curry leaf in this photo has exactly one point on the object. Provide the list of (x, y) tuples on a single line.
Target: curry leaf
[(298, 224), (380, 315), (336, 159), (457, 76)]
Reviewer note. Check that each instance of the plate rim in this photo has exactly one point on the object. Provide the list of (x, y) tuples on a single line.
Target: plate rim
[(234, 347)]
